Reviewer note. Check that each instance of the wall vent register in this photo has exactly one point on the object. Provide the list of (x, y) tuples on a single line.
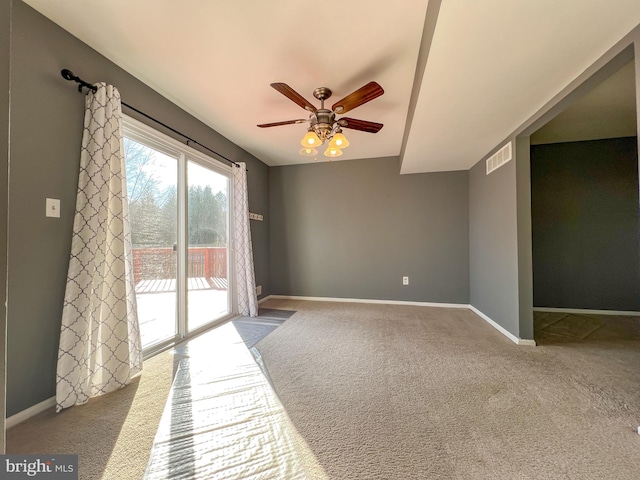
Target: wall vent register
[(499, 158)]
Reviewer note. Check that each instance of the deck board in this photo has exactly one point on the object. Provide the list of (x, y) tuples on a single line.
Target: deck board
[(162, 285)]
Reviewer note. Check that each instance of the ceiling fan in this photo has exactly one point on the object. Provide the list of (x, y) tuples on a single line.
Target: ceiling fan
[(323, 122)]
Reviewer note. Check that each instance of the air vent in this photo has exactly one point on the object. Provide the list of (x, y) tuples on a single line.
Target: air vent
[(499, 158)]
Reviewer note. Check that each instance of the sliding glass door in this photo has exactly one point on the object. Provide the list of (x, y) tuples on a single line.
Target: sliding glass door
[(152, 185), (207, 288), (179, 211)]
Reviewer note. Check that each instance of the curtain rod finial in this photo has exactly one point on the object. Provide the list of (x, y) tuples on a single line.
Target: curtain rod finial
[(67, 74)]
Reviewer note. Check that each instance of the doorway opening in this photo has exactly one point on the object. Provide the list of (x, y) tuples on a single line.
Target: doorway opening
[(585, 216)]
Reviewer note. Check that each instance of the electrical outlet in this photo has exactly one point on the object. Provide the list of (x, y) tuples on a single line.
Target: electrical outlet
[(405, 280), (259, 290)]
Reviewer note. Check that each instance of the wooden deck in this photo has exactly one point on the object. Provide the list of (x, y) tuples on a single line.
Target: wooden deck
[(161, 285)]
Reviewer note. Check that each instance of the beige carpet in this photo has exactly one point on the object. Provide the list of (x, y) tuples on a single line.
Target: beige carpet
[(401, 392), (112, 434)]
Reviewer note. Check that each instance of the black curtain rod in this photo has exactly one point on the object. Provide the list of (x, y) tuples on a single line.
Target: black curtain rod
[(68, 75)]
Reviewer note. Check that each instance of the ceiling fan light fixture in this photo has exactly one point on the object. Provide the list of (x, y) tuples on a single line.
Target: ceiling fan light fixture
[(332, 152), (310, 140), (308, 151), (339, 141), (324, 127)]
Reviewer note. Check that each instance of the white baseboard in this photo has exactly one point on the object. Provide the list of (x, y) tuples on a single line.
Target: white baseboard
[(262, 300), (585, 311), (504, 331), (20, 417), (51, 402), (367, 300)]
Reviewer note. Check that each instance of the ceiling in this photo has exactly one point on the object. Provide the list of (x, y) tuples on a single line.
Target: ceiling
[(464, 86), (607, 111)]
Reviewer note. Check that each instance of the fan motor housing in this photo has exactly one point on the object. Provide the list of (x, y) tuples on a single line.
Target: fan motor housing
[(323, 116), (322, 123)]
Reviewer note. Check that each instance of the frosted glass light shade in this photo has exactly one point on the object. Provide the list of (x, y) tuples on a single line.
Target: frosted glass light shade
[(310, 140), (339, 141), (308, 151), (332, 152)]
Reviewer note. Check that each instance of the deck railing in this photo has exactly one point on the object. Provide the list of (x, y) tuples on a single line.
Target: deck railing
[(156, 263)]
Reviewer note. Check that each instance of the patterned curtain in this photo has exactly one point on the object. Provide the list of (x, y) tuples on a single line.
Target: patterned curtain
[(245, 278), (100, 348)]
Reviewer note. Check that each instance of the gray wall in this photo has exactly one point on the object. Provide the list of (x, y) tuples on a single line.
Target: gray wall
[(525, 260), (5, 68), (500, 244), (493, 244), (258, 185), (636, 59), (585, 225), (353, 229), (46, 129)]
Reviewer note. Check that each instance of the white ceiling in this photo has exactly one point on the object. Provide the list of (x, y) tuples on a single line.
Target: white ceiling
[(492, 64), (607, 111)]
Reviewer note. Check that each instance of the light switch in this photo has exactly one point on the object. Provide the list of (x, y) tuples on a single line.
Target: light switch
[(53, 207)]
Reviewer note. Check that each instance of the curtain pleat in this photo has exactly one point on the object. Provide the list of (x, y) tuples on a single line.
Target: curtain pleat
[(100, 347), (245, 277)]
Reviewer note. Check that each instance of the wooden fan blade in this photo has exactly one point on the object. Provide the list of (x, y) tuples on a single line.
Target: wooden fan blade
[(287, 122), (294, 96), (363, 95), (363, 125)]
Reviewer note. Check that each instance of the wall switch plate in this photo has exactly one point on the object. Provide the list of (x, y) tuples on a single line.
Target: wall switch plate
[(52, 207), (259, 290), (405, 280)]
